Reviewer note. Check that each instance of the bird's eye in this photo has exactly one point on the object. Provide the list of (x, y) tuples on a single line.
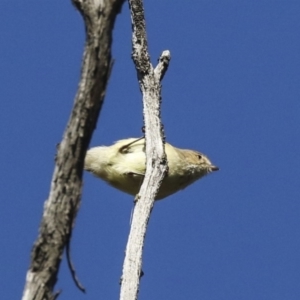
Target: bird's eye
[(199, 156)]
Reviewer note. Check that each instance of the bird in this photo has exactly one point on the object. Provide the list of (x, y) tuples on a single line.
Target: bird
[(123, 166)]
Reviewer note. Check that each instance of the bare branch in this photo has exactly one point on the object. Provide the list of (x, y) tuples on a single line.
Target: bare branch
[(156, 163), (64, 199), (163, 64)]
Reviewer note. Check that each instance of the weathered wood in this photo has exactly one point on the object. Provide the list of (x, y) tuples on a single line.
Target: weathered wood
[(64, 199), (156, 163)]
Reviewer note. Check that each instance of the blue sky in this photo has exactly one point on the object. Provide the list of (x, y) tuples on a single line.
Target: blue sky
[(232, 92)]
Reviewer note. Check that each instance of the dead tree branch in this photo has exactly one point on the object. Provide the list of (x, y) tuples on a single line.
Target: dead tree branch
[(64, 199), (156, 163)]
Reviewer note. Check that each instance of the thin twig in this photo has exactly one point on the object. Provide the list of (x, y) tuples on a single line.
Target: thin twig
[(69, 260), (72, 269)]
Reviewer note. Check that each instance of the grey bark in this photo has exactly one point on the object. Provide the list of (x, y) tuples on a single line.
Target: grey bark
[(64, 199), (156, 162)]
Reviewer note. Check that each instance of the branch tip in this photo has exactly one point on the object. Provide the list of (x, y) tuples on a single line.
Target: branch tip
[(163, 64)]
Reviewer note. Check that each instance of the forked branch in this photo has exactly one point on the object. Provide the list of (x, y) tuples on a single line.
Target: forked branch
[(156, 163)]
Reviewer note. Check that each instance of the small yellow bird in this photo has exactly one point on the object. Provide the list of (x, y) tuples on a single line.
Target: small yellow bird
[(123, 165)]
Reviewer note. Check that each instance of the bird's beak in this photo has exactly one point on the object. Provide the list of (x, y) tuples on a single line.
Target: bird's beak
[(214, 168)]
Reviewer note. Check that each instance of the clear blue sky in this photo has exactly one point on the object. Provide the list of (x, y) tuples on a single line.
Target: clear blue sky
[(232, 91)]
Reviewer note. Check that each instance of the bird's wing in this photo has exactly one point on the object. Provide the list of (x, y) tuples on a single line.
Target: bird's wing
[(132, 158)]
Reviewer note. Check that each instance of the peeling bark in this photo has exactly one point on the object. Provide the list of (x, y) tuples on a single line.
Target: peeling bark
[(61, 208)]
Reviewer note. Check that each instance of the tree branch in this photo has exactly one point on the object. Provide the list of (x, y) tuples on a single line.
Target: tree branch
[(61, 208), (156, 163)]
